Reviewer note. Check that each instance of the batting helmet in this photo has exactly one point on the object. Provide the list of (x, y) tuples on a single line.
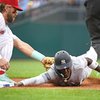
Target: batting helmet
[(62, 60), (13, 3)]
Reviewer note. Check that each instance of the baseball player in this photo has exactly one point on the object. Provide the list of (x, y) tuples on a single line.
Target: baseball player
[(67, 70), (8, 13)]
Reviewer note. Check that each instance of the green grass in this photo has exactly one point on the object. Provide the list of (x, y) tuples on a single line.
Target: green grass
[(25, 68), (29, 68), (48, 94)]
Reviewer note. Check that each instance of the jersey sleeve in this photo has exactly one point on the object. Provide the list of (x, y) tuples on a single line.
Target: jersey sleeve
[(14, 36), (50, 74), (2, 24), (40, 79), (79, 62), (34, 80)]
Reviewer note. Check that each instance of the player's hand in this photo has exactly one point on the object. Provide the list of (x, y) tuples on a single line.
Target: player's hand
[(4, 64), (47, 62)]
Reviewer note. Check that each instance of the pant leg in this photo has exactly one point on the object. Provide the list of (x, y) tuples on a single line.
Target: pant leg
[(92, 8), (93, 23), (6, 51)]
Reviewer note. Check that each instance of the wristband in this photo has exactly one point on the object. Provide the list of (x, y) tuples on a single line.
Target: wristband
[(93, 65), (36, 55)]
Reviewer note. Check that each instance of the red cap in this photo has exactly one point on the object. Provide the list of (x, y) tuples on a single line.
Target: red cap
[(13, 3)]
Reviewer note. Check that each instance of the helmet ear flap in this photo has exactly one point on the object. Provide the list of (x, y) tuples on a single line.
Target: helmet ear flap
[(58, 73)]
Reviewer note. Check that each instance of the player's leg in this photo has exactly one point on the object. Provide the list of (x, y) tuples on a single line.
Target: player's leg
[(5, 84), (93, 22), (6, 52)]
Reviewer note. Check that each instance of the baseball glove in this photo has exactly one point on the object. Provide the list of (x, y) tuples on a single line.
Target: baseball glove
[(47, 62)]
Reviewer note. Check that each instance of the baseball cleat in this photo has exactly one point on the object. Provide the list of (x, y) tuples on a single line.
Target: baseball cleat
[(5, 81), (5, 78), (5, 84)]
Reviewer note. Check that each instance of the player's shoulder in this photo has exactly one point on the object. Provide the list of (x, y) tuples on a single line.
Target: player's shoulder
[(2, 24), (79, 62), (2, 20), (1, 16)]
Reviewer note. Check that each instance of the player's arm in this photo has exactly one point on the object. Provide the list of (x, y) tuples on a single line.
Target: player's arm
[(32, 81), (40, 79), (29, 51), (37, 80), (98, 68), (93, 65)]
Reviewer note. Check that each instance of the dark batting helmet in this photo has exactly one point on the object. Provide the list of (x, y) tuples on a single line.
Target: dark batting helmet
[(62, 60)]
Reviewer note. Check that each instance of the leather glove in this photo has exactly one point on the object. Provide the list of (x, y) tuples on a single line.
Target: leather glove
[(47, 62)]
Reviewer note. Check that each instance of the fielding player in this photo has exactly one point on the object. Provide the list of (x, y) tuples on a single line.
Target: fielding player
[(8, 13)]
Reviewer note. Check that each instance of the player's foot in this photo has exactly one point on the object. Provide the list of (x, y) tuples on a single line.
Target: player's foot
[(5, 84), (19, 84), (5, 78), (5, 81)]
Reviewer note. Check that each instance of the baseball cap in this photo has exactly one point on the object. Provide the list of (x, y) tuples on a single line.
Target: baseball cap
[(62, 60), (13, 3)]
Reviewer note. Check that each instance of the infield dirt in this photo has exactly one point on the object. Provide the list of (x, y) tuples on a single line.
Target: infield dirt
[(89, 83)]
